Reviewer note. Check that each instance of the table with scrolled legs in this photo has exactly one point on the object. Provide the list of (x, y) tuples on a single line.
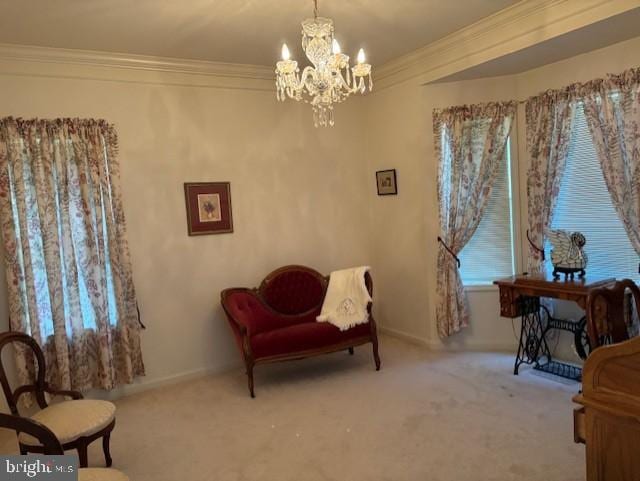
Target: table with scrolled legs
[(520, 296)]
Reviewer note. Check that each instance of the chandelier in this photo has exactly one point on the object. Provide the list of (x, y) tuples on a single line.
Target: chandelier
[(330, 80)]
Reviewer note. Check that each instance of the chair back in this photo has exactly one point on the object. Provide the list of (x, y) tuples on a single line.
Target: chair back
[(39, 387), (610, 314), (293, 290), (39, 431)]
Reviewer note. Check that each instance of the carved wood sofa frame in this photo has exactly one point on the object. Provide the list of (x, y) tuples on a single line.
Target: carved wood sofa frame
[(250, 361)]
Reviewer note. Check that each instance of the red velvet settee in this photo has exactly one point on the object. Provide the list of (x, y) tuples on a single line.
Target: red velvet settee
[(277, 321)]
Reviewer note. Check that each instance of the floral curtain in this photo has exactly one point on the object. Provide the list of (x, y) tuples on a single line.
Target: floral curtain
[(470, 145), (549, 121), (612, 109), (67, 260)]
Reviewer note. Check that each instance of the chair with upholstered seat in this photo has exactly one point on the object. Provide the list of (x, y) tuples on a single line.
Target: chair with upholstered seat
[(51, 446), (76, 423)]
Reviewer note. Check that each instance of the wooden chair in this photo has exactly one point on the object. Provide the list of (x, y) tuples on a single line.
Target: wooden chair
[(609, 313), (51, 446), (608, 421), (75, 423)]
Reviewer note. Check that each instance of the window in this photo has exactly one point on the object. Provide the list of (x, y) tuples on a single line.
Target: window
[(37, 270), (489, 255), (584, 204), (69, 277)]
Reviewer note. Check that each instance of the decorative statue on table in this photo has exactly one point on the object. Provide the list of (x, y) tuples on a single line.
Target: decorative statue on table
[(567, 254)]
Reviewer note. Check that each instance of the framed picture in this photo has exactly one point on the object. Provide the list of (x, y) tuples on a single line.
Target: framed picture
[(208, 207), (386, 181)]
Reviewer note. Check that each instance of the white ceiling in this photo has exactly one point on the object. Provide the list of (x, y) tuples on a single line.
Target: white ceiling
[(249, 31)]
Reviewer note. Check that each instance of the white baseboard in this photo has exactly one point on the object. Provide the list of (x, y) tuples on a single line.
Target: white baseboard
[(403, 335), (438, 345), (146, 384), (142, 384), (473, 346)]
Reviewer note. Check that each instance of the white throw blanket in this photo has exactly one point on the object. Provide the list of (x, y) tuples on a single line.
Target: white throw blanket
[(345, 304)]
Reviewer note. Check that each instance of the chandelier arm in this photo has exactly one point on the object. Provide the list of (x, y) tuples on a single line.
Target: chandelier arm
[(294, 82), (342, 88), (342, 84), (309, 74)]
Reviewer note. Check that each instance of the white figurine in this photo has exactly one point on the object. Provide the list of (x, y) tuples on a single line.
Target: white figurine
[(567, 255)]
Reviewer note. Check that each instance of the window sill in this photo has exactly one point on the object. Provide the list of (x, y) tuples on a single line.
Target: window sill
[(481, 287)]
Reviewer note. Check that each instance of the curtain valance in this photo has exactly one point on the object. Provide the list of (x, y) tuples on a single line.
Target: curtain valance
[(475, 111), (622, 82)]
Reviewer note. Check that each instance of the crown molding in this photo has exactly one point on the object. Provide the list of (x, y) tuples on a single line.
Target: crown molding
[(133, 62), (514, 28), (59, 62)]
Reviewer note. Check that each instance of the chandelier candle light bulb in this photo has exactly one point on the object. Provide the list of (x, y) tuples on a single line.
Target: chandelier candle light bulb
[(336, 47), (329, 80), (285, 52)]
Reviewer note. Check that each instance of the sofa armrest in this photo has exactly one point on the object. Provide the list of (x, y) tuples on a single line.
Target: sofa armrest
[(247, 312), (238, 322)]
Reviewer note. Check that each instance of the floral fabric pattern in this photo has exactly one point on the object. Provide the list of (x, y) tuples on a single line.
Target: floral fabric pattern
[(612, 110), (68, 268), (549, 120), (470, 143)]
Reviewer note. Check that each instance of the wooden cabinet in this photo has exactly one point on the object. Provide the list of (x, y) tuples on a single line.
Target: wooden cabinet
[(609, 420)]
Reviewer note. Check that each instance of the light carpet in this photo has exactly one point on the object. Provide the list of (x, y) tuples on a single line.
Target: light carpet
[(426, 416)]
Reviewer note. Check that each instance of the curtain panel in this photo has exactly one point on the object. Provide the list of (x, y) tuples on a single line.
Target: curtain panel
[(470, 144), (612, 110), (549, 122), (67, 260)]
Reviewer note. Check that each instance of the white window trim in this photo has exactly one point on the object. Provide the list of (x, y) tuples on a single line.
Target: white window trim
[(480, 287), (516, 201)]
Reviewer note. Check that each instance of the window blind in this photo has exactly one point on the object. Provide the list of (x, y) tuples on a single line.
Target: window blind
[(584, 204), (489, 255)]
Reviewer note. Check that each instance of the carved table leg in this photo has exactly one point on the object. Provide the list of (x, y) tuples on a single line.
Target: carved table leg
[(532, 344)]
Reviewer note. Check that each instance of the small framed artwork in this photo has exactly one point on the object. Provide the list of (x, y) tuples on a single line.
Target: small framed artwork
[(386, 180), (208, 207)]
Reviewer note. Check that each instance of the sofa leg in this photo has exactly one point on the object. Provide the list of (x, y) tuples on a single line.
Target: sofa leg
[(376, 355), (351, 351), (250, 379)]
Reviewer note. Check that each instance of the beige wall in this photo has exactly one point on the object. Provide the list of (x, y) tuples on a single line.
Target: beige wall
[(299, 193), (399, 134)]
